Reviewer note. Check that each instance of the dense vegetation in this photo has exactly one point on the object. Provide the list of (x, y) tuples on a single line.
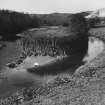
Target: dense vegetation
[(56, 19), (12, 23), (53, 19), (76, 40), (78, 24)]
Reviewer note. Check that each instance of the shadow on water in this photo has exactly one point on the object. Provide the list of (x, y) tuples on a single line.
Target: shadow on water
[(67, 64)]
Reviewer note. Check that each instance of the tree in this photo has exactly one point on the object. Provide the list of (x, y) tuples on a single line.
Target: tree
[(77, 24)]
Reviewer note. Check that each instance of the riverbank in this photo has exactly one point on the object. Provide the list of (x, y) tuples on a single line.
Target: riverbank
[(8, 53), (86, 86)]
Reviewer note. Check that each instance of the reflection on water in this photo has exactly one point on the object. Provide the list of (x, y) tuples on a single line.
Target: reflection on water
[(16, 79), (20, 77), (96, 46)]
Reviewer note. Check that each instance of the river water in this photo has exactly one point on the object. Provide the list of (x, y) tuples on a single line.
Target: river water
[(95, 47), (19, 77)]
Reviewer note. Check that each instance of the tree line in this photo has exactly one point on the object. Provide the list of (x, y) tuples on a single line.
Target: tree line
[(12, 22)]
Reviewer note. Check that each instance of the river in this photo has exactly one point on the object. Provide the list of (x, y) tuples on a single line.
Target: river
[(19, 77)]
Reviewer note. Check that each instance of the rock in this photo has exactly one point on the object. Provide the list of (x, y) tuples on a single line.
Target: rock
[(11, 65), (19, 61)]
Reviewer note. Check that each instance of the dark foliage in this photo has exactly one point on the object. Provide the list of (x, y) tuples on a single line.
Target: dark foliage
[(76, 41), (94, 21), (78, 27), (78, 24), (12, 23)]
